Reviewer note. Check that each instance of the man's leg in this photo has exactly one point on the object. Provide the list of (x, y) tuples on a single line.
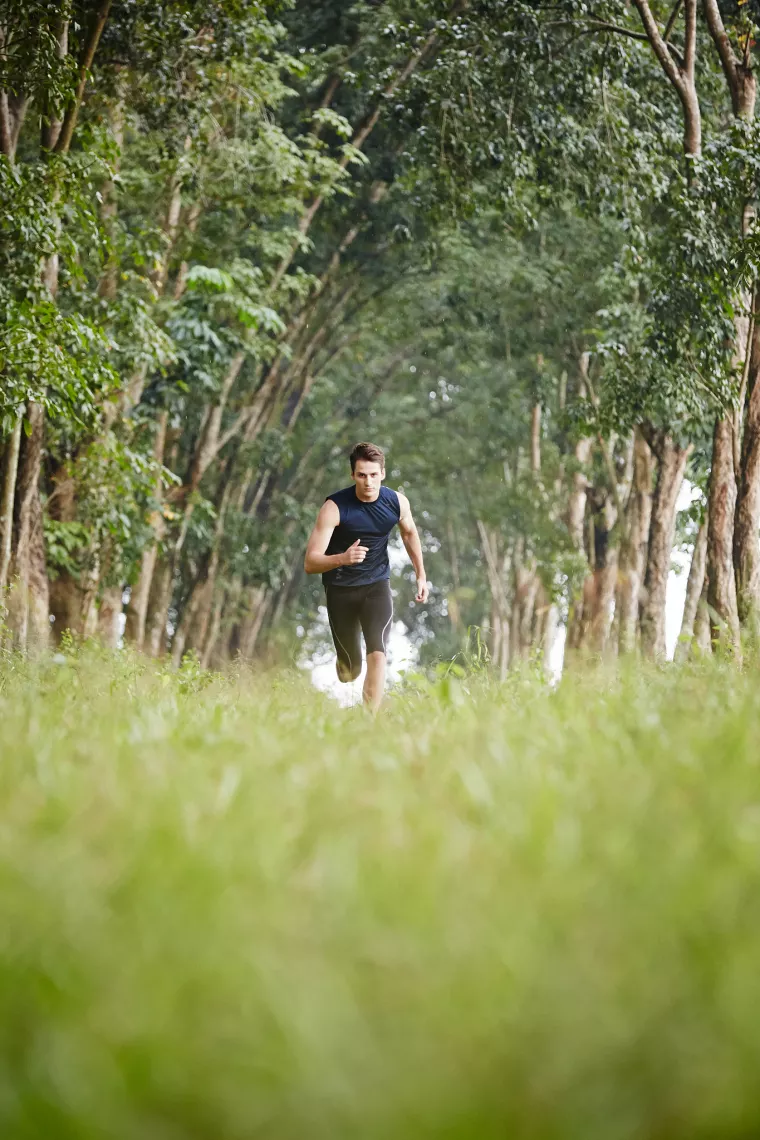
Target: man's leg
[(376, 618), (374, 682), (343, 615)]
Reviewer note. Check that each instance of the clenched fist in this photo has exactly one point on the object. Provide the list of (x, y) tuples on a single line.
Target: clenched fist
[(355, 553)]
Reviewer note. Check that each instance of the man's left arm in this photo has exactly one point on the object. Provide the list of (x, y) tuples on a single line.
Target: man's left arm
[(411, 541)]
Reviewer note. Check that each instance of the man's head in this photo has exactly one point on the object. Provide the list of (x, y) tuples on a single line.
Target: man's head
[(367, 470)]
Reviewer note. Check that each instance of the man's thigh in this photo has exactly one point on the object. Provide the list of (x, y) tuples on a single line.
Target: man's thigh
[(343, 611), (376, 616)]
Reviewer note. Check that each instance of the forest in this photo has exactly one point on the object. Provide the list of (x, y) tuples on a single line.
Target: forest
[(512, 242)]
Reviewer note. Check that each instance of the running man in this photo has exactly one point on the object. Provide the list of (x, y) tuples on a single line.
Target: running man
[(349, 548)]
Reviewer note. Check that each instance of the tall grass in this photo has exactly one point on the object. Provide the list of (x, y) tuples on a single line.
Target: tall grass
[(231, 910)]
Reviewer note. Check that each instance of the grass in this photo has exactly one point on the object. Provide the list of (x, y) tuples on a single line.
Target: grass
[(231, 910)]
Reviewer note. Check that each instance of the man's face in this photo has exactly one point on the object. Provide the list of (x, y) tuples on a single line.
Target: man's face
[(368, 476)]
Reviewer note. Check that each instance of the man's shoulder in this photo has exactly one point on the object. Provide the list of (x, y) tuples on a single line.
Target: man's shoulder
[(330, 509), (391, 497), (338, 496), (335, 501)]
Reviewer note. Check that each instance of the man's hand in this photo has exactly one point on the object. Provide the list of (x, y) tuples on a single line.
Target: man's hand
[(355, 553), (411, 541)]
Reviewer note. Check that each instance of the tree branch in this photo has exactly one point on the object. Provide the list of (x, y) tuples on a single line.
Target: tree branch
[(6, 140), (12, 111), (728, 59), (240, 421), (6, 134), (360, 136), (682, 78), (51, 125), (605, 26), (659, 47), (690, 43), (90, 47), (18, 105), (672, 19)]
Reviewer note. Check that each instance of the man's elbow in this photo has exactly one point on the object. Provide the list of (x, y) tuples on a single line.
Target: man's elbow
[(309, 565)]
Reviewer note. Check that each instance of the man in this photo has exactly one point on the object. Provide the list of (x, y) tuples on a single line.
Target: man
[(349, 548)]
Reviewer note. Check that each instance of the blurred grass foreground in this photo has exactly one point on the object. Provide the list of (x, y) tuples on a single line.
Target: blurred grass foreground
[(231, 910)]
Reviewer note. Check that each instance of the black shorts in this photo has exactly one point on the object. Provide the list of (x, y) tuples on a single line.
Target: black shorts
[(357, 610)]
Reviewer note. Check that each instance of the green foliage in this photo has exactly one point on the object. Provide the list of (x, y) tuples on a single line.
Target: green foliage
[(31, 63), (66, 544), (49, 352)]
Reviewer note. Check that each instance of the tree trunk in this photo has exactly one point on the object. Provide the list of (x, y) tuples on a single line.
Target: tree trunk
[(747, 514), (633, 548), (732, 602), (702, 623), (137, 608), (591, 615), (604, 578), (38, 633), (545, 621), (28, 610), (721, 592), (109, 616), (732, 541), (694, 588), (162, 589), (535, 439), (10, 472), (110, 278), (215, 626), (600, 592), (199, 630), (65, 606), (681, 76), (576, 516), (67, 596), (513, 614), (197, 607), (158, 607), (576, 507), (288, 592), (494, 634), (527, 608), (549, 634), (501, 629), (260, 600), (671, 465), (528, 594), (499, 635)]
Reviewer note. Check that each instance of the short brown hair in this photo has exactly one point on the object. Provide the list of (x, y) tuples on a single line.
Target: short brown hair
[(369, 451)]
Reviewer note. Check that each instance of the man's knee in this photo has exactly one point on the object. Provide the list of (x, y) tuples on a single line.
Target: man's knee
[(346, 674)]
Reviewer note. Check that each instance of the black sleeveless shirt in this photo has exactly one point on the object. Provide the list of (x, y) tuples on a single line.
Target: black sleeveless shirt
[(372, 523)]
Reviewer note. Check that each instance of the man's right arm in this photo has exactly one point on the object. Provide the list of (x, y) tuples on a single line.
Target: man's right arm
[(316, 561)]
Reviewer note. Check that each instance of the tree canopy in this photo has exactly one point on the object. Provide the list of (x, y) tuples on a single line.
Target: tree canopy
[(512, 242)]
